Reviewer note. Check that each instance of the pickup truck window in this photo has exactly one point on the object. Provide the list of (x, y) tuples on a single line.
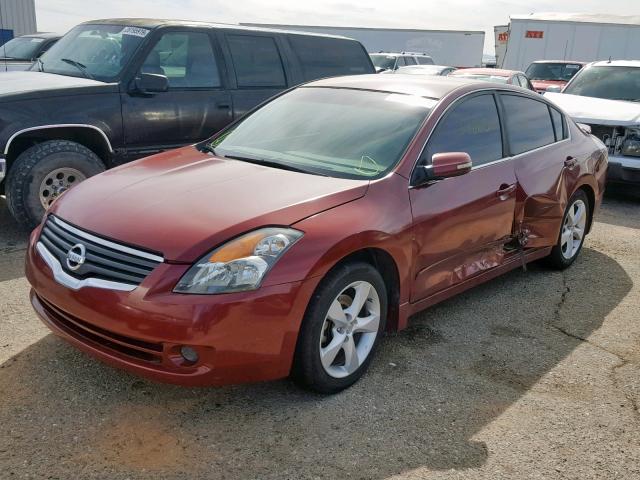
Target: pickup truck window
[(186, 59), (93, 51), (327, 57), (256, 61)]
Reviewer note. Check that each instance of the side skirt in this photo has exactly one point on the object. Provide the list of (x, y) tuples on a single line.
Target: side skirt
[(408, 309)]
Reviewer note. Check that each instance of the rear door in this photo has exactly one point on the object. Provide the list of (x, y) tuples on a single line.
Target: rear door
[(257, 68), (542, 155), (197, 104), (461, 224)]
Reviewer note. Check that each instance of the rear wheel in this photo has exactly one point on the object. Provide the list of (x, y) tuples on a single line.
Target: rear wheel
[(341, 328), (42, 173), (572, 232)]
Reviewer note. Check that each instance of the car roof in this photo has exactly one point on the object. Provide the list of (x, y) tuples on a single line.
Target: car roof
[(579, 62), (397, 54), (419, 85), (616, 63), (496, 72), (152, 23)]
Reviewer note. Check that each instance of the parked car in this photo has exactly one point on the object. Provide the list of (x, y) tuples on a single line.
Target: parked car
[(388, 62), (437, 70), (546, 73), (112, 91), (495, 75), (606, 97), (291, 240), (19, 53)]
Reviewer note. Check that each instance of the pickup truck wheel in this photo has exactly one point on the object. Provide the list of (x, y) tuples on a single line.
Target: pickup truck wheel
[(42, 173)]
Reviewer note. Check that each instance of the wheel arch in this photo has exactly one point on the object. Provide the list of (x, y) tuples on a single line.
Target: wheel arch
[(386, 264), (90, 136), (591, 196)]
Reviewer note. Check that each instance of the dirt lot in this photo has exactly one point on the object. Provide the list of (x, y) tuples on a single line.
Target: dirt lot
[(534, 375)]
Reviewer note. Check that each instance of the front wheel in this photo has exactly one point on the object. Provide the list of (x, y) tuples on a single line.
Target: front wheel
[(572, 232), (42, 173), (342, 326)]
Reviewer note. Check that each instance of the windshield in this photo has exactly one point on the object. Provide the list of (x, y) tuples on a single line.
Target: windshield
[(23, 48), (93, 51), (553, 71), (330, 131), (613, 83), (383, 61), (482, 77)]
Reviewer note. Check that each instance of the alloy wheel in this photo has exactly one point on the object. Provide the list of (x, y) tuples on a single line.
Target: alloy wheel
[(349, 330), (573, 229)]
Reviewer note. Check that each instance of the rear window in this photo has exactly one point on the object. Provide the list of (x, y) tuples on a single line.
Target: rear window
[(329, 57), (256, 61), (528, 122), (553, 71)]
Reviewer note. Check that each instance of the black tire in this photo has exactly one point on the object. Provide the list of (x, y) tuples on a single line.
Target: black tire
[(557, 259), (32, 166), (307, 370)]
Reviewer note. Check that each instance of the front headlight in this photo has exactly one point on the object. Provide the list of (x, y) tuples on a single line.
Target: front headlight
[(631, 144), (240, 264)]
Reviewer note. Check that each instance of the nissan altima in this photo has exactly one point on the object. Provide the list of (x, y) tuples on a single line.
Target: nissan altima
[(289, 242)]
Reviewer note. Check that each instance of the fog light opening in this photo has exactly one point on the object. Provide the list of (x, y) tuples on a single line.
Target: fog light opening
[(189, 354)]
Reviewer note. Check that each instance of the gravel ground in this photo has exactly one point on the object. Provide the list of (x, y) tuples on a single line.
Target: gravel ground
[(533, 375)]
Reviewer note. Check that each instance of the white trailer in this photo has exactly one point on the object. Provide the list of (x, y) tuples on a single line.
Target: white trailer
[(501, 34), (577, 37), (447, 47)]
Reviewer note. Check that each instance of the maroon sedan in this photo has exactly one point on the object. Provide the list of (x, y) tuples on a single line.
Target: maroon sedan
[(291, 240), (495, 75)]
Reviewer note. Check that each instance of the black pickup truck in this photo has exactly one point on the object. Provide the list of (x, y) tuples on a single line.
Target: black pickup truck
[(111, 91)]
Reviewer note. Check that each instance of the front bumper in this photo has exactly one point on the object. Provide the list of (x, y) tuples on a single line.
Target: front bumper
[(240, 337), (624, 170)]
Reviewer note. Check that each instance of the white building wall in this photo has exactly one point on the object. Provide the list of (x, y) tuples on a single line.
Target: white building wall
[(19, 16)]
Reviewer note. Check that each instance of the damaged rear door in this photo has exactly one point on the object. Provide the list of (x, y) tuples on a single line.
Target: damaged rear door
[(461, 224), (545, 163)]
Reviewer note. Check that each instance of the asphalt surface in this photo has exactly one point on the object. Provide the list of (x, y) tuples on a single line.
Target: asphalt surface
[(533, 375)]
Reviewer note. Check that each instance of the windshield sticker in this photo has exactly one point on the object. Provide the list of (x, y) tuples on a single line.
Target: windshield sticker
[(135, 31)]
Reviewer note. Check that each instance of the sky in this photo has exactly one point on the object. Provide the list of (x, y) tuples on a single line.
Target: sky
[(61, 15)]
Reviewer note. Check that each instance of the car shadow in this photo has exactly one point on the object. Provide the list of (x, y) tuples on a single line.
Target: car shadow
[(431, 388)]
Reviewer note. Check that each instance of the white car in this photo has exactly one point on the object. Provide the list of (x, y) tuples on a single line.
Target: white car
[(606, 97)]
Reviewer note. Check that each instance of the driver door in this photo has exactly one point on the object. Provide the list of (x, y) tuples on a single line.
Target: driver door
[(196, 105), (462, 223)]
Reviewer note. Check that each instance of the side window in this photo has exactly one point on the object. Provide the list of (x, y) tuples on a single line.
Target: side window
[(400, 62), (257, 61), (473, 126), (327, 57), (186, 59), (558, 124), (528, 123), (410, 61)]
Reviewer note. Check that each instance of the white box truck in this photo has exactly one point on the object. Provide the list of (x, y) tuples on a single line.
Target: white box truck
[(577, 37), (447, 47)]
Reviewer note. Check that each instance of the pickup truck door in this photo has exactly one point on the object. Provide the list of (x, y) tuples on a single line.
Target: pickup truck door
[(197, 103)]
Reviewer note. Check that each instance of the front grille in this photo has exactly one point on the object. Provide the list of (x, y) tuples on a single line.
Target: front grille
[(132, 347), (103, 259)]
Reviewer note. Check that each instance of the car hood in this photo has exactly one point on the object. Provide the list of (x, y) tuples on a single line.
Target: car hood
[(38, 84), (184, 203), (597, 111)]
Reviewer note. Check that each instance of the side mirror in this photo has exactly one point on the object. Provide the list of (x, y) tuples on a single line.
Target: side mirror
[(554, 89), (585, 128), (450, 164), (151, 83)]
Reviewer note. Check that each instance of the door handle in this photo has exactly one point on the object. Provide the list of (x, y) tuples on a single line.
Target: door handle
[(223, 105), (570, 162), (505, 190)]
